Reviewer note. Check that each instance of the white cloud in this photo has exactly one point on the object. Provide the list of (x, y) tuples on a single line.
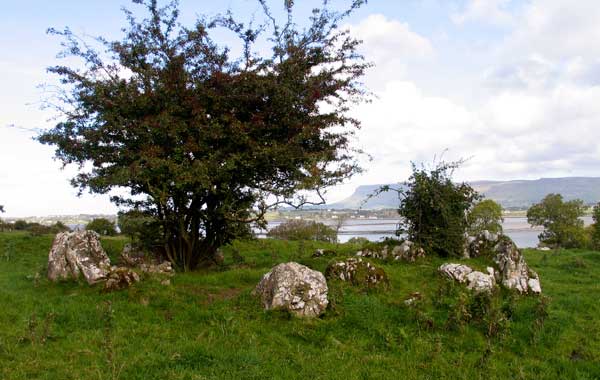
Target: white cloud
[(391, 45), (557, 29), (487, 11)]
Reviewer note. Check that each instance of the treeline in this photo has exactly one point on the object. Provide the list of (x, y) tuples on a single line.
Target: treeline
[(34, 228)]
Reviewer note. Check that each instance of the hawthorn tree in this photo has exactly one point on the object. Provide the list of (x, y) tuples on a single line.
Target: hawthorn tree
[(434, 209), (203, 140)]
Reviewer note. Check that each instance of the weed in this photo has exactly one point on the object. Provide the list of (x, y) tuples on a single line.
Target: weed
[(37, 334), (540, 313)]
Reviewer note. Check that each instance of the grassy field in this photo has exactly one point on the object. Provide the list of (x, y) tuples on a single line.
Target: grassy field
[(207, 325)]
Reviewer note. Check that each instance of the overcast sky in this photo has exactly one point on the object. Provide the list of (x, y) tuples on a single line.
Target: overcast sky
[(514, 85)]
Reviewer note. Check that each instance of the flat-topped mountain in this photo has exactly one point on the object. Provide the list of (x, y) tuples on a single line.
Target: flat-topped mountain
[(510, 194)]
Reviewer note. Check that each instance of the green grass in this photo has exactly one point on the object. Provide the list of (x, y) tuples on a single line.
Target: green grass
[(206, 325)]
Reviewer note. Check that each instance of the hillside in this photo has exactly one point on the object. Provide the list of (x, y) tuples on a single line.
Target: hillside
[(510, 194), (207, 325)]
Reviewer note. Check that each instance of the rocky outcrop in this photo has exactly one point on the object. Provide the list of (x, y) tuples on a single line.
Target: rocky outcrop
[(406, 251), (457, 272), (512, 270), (475, 280), (78, 253), (163, 268), (132, 257), (120, 278), (294, 287), (358, 272), (481, 244), (514, 273), (146, 263), (482, 282)]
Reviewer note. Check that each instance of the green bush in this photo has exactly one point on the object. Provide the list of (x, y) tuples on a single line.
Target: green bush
[(298, 229), (358, 240), (20, 225), (594, 229), (434, 209), (102, 226)]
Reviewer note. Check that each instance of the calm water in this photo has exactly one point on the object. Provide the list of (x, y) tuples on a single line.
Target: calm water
[(376, 229)]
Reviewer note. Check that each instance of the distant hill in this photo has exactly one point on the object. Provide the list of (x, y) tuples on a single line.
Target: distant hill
[(510, 194)]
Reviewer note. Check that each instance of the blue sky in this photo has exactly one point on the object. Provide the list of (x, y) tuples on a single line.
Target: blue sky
[(512, 84)]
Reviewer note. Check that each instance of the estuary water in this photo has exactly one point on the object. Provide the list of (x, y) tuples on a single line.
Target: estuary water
[(516, 228)]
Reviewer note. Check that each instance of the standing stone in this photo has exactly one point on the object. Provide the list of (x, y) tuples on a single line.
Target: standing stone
[(514, 273), (78, 253), (295, 288)]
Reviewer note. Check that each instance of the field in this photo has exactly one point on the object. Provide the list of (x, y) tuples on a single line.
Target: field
[(207, 325)]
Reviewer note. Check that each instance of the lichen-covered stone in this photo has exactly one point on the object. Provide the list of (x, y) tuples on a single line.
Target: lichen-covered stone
[(78, 253), (406, 251), (294, 287), (475, 280), (163, 268), (358, 272), (458, 272), (481, 245), (514, 273), (120, 278), (482, 282), (146, 263), (132, 257)]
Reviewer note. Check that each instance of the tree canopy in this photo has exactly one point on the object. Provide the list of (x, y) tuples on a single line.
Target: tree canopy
[(205, 141), (485, 215), (561, 221)]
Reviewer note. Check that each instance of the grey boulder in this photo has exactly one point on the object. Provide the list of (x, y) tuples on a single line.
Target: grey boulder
[(78, 253), (294, 287), (475, 280)]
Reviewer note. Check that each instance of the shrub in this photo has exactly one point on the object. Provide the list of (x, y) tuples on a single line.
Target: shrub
[(485, 215), (433, 208), (102, 226), (20, 225), (358, 240), (594, 229), (303, 230), (34, 228)]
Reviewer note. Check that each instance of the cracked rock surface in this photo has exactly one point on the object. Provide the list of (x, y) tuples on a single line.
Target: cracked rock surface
[(75, 254)]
